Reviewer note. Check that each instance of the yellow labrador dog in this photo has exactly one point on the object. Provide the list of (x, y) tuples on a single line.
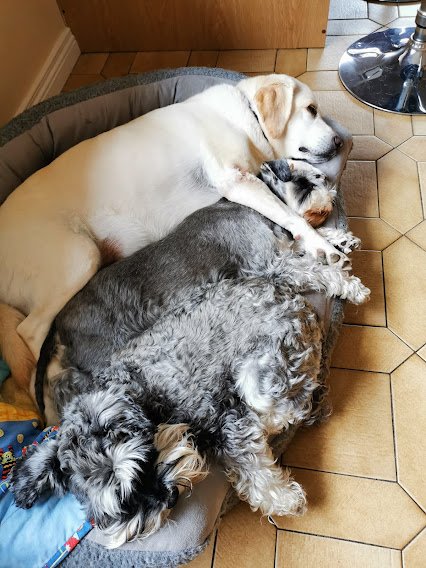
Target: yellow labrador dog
[(113, 194)]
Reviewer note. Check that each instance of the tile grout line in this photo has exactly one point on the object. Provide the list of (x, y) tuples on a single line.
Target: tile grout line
[(190, 53), (214, 548), (412, 498), (402, 362), (420, 190), (382, 372), (103, 66), (372, 372), (339, 538), (383, 327), (414, 538), (395, 445), (377, 185), (276, 548), (403, 340), (384, 290), (380, 480)]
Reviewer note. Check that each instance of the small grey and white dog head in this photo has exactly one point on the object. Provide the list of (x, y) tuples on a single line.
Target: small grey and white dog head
[(302, 187), (290, 118), (126, 472)]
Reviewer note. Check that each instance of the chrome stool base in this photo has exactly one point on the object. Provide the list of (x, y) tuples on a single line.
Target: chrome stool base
[(387, 70)]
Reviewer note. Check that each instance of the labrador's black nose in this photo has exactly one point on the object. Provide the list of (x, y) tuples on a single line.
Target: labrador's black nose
[(338, 142)]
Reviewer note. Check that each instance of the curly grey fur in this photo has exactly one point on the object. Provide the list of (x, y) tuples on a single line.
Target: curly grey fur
[(205, 328)]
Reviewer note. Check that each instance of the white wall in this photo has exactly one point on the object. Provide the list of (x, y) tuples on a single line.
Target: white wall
[(37, 52)]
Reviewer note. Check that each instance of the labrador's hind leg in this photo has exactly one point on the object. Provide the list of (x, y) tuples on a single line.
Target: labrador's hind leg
[(68, 263), (253, 472)]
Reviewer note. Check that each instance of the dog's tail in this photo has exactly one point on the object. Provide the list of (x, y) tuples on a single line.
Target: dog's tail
[(13, 348)]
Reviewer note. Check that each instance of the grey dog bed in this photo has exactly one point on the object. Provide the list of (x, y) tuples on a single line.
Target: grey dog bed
[(35, 138)]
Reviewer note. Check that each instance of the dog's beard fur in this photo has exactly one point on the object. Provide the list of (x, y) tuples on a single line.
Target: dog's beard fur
[(178, 459), (179, 465)]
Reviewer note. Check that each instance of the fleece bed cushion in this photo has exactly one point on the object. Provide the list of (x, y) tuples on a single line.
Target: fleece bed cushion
[(35, 138)]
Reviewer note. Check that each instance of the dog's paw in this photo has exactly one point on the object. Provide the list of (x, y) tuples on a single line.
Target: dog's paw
[(21, 485), (345, 241), (355, 291), (324, 252), (288, 500)]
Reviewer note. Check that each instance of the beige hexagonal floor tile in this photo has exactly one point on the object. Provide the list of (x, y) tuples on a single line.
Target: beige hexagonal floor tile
[(295, 550), (322, 80), (382, 13), (367, 265), (205, 559), (359, 187), (355, 508), (291, 61), (418, 234), (407, 10), (118, 64), (375, 234), (419, 125), (349, 9), (409, 404), (405, 284), (245, 539), (392, 128), (399, 191), (90, 64), (351, 27), (76, 81), (369, 349), (203, 58), (355, 116), (254, 60), (368, 148), (415, 147), (328, 57), (358, 438), (150, 60), (414, 554), (401, 23)]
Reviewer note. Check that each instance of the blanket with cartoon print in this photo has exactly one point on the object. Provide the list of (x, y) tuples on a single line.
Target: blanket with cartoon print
[(61, 521)]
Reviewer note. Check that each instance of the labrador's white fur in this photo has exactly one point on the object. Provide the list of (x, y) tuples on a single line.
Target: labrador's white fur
[(132, 185)]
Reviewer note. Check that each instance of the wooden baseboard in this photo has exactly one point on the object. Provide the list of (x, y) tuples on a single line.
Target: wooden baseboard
[(55, 71)]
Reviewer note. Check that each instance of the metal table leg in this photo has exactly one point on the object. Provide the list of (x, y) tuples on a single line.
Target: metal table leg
[(386, 69)]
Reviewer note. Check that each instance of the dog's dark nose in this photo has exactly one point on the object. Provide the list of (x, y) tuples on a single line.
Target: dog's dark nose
[(173, 498), (338, 142)]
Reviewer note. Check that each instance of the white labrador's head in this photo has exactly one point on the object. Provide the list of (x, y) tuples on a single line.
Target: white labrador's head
[(289, 116)]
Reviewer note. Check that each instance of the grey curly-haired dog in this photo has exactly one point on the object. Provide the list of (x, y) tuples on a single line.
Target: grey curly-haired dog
[(194, 349)]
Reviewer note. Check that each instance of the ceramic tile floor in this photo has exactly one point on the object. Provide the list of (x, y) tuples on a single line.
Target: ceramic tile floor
[(364, 471)]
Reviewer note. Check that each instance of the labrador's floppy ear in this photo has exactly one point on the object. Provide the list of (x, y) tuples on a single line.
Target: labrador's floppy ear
[(274, 104)]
